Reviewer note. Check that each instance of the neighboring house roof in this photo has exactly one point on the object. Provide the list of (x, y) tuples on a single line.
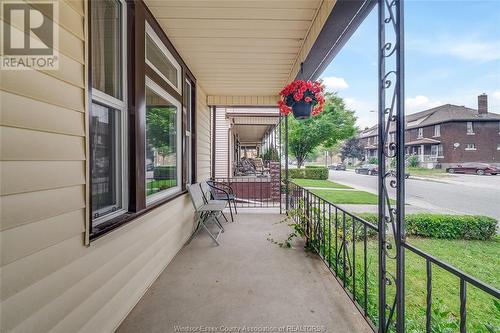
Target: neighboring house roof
[(423, 141), (368, 132), (445, 113), (437, 115)]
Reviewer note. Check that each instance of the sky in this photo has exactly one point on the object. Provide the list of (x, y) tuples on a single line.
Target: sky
[(452, 55)]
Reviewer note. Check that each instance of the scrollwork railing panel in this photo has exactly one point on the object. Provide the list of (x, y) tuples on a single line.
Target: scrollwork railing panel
[(391, 120)]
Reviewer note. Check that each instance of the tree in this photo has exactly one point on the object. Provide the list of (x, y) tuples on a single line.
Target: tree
[(161, 128), (335, 123), (352, 149)]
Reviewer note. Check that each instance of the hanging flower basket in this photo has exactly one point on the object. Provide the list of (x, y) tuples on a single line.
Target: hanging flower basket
[(302, 98)]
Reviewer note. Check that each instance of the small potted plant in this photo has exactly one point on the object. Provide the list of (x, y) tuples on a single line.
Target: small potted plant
[(303, 98)]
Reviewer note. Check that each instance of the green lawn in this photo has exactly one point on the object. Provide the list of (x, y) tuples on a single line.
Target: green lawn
[(318, 183), (480, 259), (348, 197), (159, 185), (423, 172)]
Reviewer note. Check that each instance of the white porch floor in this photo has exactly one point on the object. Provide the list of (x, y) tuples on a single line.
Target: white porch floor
[(246, 281)]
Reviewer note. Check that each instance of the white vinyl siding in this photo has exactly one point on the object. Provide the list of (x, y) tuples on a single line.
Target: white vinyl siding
[(51, 281), (221, 143), (203, 137)]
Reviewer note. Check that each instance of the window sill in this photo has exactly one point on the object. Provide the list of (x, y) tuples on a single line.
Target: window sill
[(470, 149), (471, 133), (119, 221)]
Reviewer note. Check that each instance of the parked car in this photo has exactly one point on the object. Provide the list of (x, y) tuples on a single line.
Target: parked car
[(367, 169), (337, 166), (474, 168)]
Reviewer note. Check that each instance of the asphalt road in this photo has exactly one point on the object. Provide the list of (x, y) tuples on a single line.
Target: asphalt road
[(456, 194)]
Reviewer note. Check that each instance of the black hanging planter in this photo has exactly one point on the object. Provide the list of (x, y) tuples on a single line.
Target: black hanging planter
[(302, 110)]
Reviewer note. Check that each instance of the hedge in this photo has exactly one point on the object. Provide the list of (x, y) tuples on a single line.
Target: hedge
[(316, 172), (165, 172), (446, 226)]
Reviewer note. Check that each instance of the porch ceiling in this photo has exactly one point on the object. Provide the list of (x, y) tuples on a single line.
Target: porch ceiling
[(251, 133), (242, 47)]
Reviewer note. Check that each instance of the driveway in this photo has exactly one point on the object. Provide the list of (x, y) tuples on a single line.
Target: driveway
[(458, 194)]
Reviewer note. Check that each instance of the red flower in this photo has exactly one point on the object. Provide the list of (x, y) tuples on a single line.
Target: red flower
[(295, 92)]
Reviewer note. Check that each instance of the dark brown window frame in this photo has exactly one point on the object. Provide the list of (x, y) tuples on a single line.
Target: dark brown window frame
[(137, 69)]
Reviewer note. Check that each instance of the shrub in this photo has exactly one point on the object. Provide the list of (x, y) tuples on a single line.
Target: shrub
[(445, 226), (313, 166), (294, 173), (412, 161), (372, 160), (165, 172), (316, 173), (451, 226), (312, 172), (271, 155)]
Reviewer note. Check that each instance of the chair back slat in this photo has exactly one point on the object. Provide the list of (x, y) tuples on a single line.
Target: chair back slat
[(205, 190), (196, 195)]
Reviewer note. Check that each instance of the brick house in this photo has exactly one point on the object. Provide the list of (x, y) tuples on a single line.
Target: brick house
[(446, 135)]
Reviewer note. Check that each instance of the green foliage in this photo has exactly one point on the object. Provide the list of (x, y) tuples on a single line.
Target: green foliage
[(271, 155), (165, 172), (318, 172), (392, 163), (491, 328), (347, 197), (478, 258), (412, 161), (318, 183), (298, 228), (161, 126), (451, 226), (335, 123), (372, 160), (446, 226), (159, 185), (352, 148), (443, 320)]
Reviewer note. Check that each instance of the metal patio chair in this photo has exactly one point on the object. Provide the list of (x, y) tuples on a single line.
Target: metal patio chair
[(205, 212), (210, 199), (221, 191)]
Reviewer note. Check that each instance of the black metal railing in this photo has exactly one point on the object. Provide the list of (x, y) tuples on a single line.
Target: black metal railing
[(348, 246), (337, 236), (258, 192)]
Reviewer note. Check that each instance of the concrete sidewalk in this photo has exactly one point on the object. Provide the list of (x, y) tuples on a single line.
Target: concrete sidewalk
[(409, 209), (246, 281)]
